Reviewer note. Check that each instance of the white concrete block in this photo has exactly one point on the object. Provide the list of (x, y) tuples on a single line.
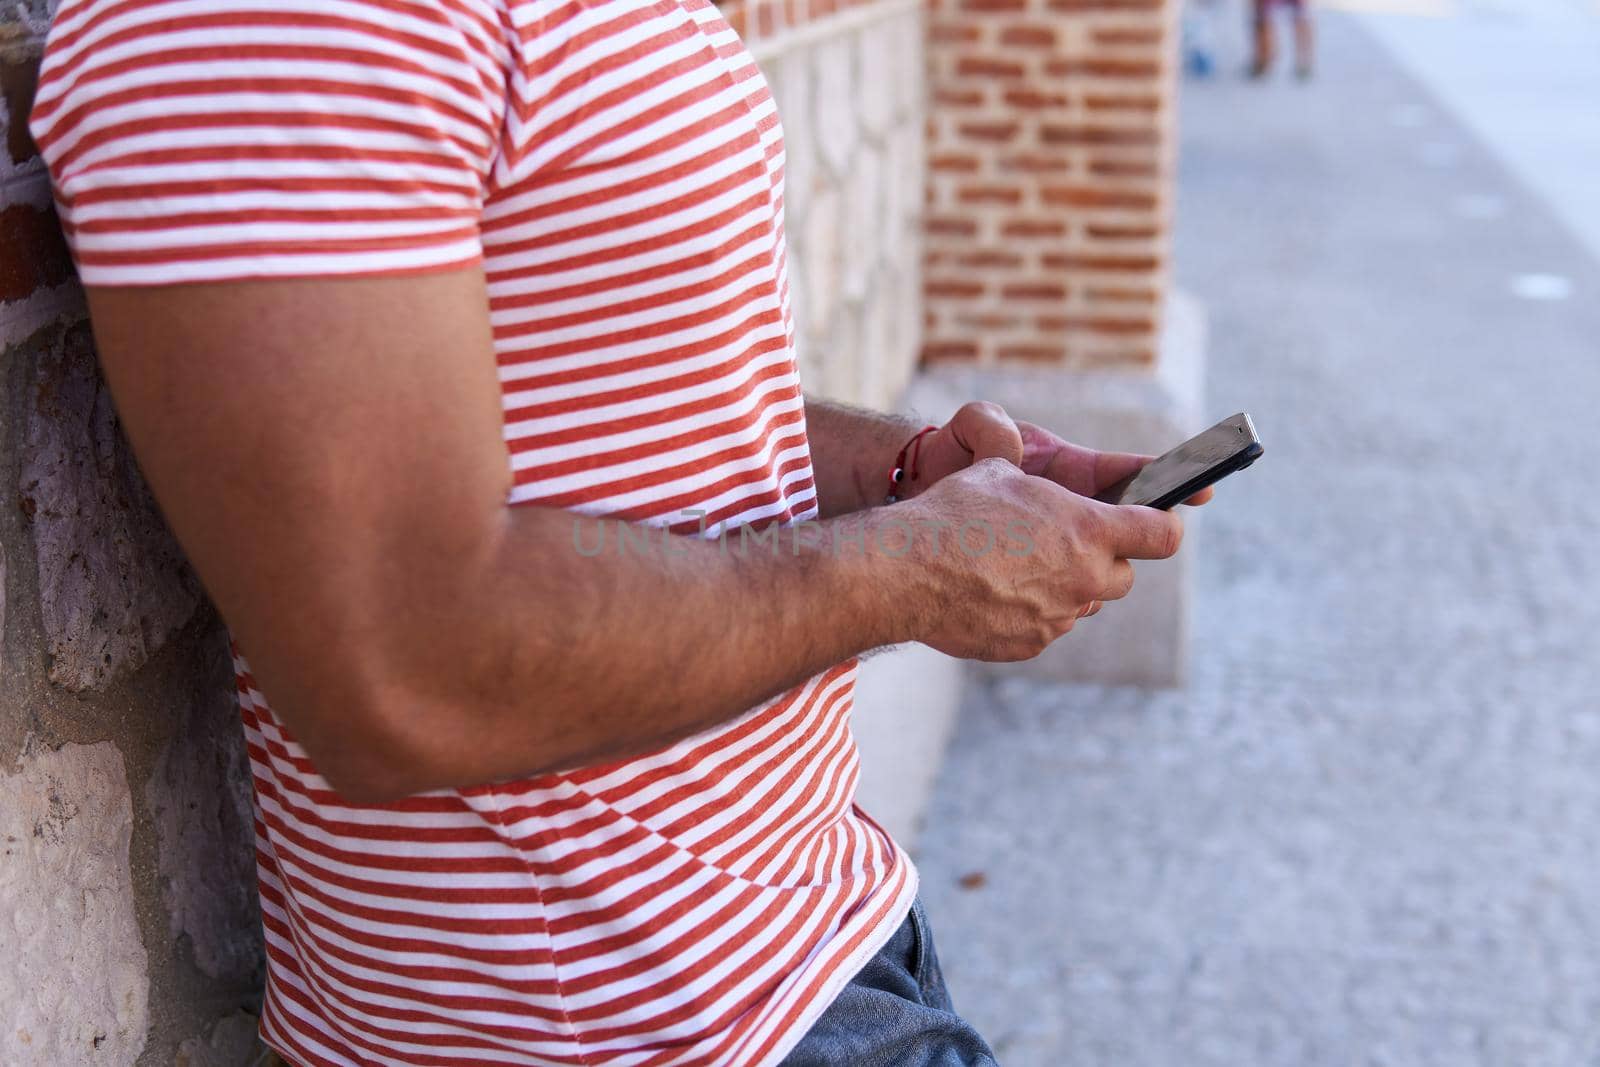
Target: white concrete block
[(906, 703), (73, 985), (1143, 639)]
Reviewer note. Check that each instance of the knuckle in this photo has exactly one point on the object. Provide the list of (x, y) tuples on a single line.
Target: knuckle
[(989, 409), (1172, 536)]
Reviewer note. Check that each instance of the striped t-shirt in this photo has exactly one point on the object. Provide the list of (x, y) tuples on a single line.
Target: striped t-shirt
[(617, 168)]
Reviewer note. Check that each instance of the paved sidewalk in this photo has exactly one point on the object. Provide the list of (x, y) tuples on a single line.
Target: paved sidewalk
[(1369, 831)]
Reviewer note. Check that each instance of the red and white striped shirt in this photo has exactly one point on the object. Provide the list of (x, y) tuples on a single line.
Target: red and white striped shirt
[(617, 167)]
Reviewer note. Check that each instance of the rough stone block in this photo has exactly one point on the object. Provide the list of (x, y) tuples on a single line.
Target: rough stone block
[(113, 584), (863, 208), (822, 246), (878, 48), (199, 799), (73, 982), (838, 126), (231, 1043), (799, 136)]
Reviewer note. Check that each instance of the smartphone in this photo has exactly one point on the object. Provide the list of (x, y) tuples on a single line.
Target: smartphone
[(1205, 459)]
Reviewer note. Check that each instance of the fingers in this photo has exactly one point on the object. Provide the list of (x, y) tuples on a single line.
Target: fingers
[(1112, 467), (1143, 533), (1202, 497), (987, 432), (1120, 582)]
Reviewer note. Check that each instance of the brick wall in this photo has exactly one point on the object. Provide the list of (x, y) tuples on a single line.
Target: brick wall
[(129, 931), (1049, 188)]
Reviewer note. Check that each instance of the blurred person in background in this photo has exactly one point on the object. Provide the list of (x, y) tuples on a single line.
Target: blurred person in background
[(1200, 37), (1265, 38)]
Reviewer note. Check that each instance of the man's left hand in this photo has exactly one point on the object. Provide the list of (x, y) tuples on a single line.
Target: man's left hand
[(981, 430)]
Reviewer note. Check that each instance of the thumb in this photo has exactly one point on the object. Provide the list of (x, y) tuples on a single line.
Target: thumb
[(986, 431)]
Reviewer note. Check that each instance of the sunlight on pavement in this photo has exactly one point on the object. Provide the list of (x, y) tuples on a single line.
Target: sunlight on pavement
[(1523, 75), (1542, 286)]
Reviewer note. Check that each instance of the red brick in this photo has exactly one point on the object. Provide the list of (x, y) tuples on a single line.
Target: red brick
[(1101, 67), (765, 14), (1096, 135), (1129, 35), (1036, 163), (945, 226), (989, 258), (989, 131), (989, 322), (1110, 263), (34, 255), (1123, 168), (1105, 231), (1034, 353), (956, 288), (990, 6), (1033, 100), (1121, 356), (953, 163), (1120, 294), (989, 194), (1034, 228), (1034, 291), (1107, 5), (1105, 324), (1028, 37), (988, 67), (947, 98), (1146, 103), (1096, 196), (946, 32), (949, 351)]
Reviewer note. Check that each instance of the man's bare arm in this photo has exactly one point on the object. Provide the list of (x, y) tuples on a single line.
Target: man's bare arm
[(330, 455), (852, 450)]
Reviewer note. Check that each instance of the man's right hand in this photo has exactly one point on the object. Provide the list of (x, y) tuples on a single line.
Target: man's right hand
[(1055, 557)]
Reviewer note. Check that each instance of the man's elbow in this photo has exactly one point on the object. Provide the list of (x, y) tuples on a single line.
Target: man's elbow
[(373, 749)]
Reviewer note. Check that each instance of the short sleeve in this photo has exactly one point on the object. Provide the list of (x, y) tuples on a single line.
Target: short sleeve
[(206, 140)]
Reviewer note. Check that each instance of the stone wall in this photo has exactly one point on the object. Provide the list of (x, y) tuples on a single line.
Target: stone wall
[(850, 87), (1050, 185), (128, 924)]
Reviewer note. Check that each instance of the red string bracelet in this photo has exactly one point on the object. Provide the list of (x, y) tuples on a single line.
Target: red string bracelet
[(897, 473)]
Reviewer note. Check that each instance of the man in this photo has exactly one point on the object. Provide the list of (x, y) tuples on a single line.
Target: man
[(388, 293)]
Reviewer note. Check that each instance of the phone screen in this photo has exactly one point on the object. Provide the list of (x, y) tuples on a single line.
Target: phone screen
[(1202, 460)]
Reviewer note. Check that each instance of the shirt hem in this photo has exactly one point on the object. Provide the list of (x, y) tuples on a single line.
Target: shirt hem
[(846, 970)]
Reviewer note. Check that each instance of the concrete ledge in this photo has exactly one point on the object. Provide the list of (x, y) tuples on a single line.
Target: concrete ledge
[(907, 699), (1142, 640)]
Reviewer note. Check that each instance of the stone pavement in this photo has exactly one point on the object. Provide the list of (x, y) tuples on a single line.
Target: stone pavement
[(1368, 833)]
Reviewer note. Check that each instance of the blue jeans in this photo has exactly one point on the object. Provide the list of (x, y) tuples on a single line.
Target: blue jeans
[(895, 1013)]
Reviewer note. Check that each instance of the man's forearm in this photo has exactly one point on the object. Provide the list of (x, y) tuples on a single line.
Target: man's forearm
[(852, 450), (571, 646)]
